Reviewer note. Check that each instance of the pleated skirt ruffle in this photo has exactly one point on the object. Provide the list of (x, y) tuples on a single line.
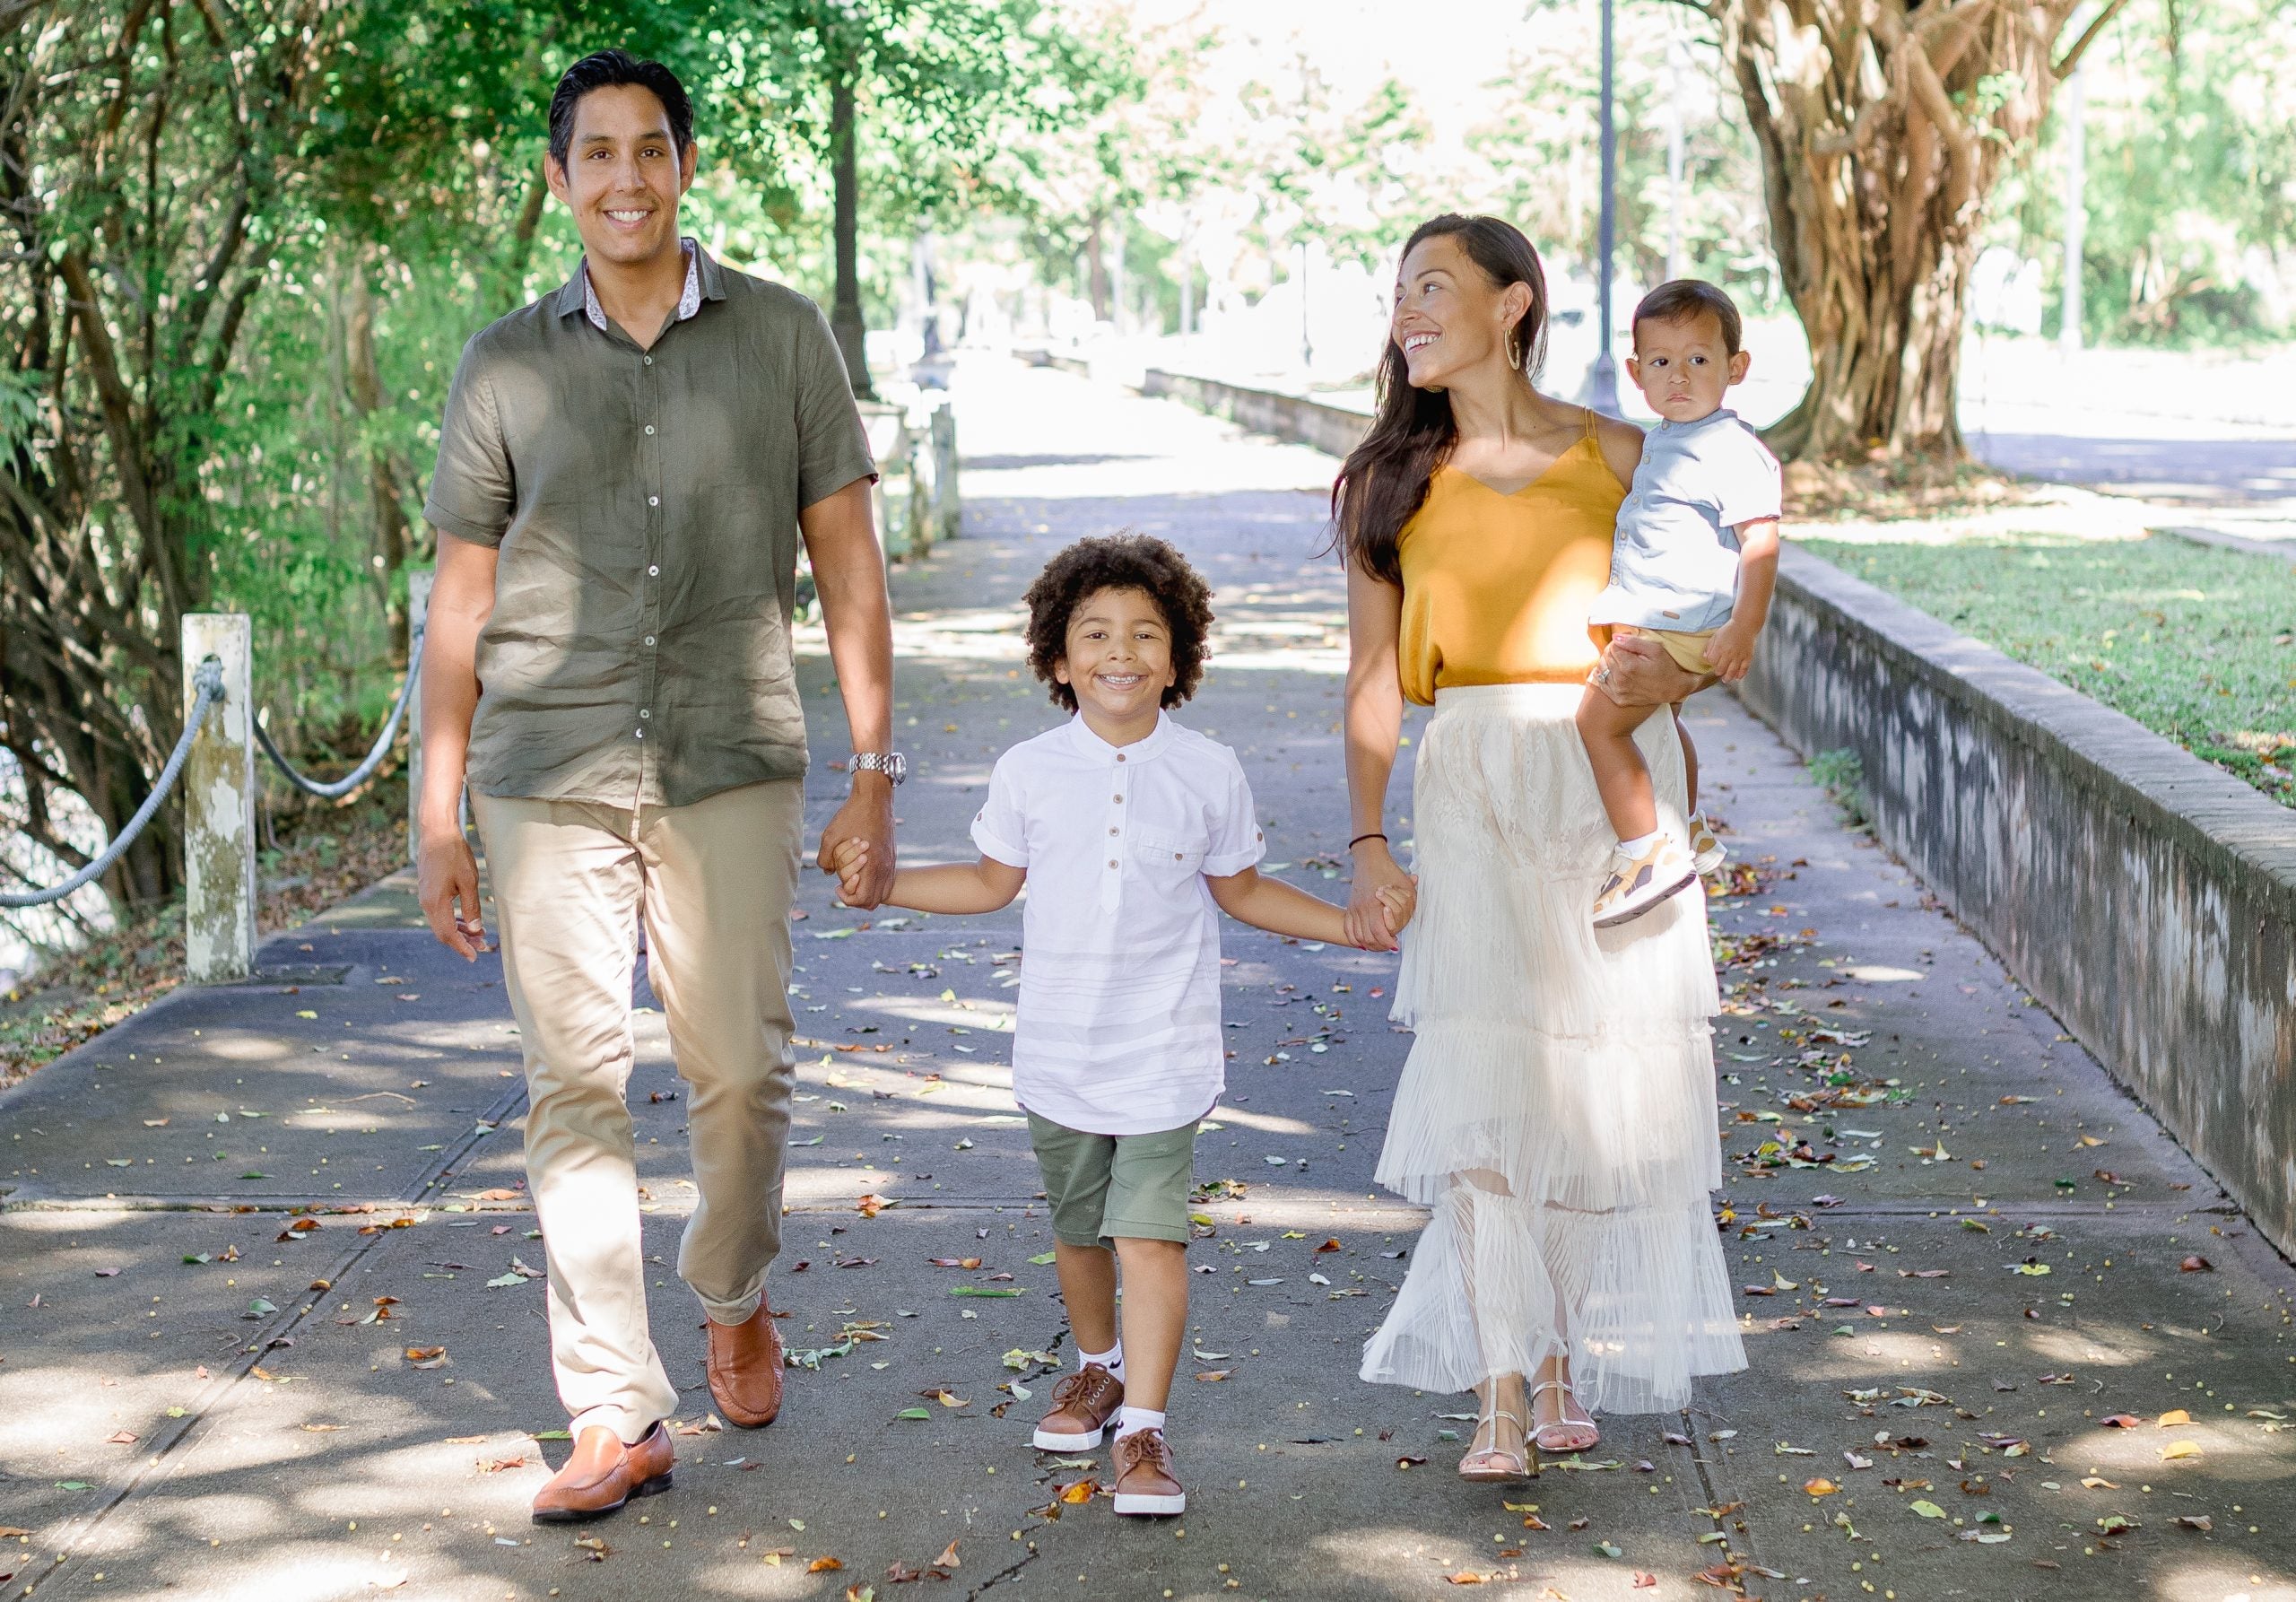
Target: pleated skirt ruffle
[(1557, 1111)]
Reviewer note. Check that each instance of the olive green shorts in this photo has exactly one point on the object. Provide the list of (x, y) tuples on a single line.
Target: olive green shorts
[(1104, 1188)]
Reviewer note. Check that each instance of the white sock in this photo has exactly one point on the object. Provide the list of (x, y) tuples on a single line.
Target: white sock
[(1640, 843), (1130, 1420), (1111, 1360)]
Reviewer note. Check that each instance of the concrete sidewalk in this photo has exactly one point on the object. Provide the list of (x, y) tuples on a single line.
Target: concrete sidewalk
[(1972, 1252)]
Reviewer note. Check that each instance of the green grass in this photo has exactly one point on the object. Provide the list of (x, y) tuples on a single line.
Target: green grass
[(2193, 641)]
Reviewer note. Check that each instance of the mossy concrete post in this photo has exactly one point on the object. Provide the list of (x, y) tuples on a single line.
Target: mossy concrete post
[(948, 513), (418, 613), (219, 836)]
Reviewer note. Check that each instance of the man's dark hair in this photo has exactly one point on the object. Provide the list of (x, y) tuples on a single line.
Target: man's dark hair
[(1684, 299), (1120, 562), (605, 70)]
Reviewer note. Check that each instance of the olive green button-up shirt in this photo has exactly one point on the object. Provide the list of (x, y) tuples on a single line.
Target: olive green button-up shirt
[(645, 503)]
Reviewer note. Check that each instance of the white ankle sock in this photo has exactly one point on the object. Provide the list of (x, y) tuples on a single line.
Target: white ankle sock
[(1130, 1420), (1111, 1360), (1640, 843)]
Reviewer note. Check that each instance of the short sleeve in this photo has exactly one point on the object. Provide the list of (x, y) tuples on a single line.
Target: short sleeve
[(1237, 842), (472, 490), (1000, 829), (832, 446), (1750, 481)]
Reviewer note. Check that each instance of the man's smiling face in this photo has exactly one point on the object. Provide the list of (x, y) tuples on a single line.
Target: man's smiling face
[(624, 175)]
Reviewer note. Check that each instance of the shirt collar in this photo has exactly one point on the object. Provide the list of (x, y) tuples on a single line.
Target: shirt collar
[(1716, 415), (1081, 734), (703, 281)]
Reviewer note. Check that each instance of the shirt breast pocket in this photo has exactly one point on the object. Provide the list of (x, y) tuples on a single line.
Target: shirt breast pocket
[(1166, 860)]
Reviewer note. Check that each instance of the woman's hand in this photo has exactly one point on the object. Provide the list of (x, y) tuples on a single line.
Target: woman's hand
[(1379, 887), (1636, 671)]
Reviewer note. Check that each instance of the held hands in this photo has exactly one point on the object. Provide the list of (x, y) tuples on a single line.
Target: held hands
[(1731, 651), (850, 861), (1381, 900), (865, 822)]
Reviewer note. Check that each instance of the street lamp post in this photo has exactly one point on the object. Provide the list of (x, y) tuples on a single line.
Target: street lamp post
[(1600, 390)]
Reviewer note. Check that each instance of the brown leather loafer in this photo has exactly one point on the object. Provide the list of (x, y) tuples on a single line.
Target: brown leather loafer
[(746, 1368), (1145, 1483), (603, 1474)]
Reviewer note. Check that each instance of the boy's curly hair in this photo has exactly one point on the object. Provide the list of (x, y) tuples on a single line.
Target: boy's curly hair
[(1120, 562)]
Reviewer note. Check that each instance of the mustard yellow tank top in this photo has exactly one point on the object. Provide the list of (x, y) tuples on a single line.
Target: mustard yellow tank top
[(1496, 587)]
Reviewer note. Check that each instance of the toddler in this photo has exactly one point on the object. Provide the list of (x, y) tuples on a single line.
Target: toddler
[(1693, 566), (1128, 830)]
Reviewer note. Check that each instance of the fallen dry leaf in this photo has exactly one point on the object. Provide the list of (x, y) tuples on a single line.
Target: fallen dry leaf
[(2197, 1263), (825, 1565), (2121, 1421), (1213, 1376), (2173, 1417), (2177, 1449), (426, 1357), (1077, 1492), (497, 1464), (1820, 1486)]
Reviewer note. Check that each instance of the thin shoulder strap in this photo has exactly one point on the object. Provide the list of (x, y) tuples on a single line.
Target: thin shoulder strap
[(1589, 425)]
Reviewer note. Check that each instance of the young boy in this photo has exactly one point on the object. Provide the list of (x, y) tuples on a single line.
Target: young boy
[(1127, 830), (1695, 558)]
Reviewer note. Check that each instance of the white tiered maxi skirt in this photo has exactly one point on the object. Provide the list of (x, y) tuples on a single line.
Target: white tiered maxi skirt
[(1557, 1111)]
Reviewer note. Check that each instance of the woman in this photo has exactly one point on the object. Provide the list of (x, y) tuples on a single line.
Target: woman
[(1557, 1111)]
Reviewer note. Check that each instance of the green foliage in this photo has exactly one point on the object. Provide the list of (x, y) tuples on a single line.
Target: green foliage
[(1841, 774), (2192, 641)]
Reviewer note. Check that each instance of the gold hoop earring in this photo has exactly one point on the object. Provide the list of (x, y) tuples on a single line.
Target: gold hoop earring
[(1514, 349)]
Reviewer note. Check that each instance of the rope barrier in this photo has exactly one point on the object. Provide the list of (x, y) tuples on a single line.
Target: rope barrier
[(209, 682), (336, 789)]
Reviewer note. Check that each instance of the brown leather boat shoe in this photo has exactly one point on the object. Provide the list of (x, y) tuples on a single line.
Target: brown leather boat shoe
[(1145, 1481), (603, 1474), (746, 1368), (1082, 1404)]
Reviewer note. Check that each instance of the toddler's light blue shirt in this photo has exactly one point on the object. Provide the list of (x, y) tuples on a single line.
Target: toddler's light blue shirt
[(1674, 563)]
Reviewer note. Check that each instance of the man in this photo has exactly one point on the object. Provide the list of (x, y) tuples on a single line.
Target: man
[(624, 470)]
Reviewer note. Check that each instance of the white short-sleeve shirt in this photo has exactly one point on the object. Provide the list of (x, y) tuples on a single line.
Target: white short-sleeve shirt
[(1119, 1031), (1674, 563)]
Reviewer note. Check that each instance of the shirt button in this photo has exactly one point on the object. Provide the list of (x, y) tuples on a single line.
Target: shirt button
[(650, 640), (1111, 862), (650, 428), (1119, 756), (653, 572), (1178, 857), (1119, 797), (1113, 832), (653, 501), (649, 362), (644, 712), (641, 734)]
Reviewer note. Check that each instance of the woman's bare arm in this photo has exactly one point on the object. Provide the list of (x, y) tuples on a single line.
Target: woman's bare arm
[(1374, 724)]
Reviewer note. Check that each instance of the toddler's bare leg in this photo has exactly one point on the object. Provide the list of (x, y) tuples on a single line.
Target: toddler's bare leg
[(1155, 1317), (1607, 730), (1690, 762), (1088, 1290)]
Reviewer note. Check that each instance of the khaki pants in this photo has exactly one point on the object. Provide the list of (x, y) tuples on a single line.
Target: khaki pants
[(713, 882)]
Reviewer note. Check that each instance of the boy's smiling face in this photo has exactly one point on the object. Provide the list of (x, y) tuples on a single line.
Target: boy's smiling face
[(1118, 662)]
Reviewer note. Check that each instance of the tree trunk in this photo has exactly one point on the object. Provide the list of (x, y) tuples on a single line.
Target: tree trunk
[(384, 493), (1096, 267), (845, 317), (1883, 130)]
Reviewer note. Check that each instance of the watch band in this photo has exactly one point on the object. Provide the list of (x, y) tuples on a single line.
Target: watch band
[(892, 764)]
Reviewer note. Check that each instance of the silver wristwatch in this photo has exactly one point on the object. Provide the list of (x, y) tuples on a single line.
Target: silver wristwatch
[(892, 764)]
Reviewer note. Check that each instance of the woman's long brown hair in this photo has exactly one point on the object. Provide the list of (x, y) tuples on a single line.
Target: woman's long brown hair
[(1384, 482)]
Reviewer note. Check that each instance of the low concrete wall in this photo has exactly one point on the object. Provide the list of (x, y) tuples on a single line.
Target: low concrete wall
[(2145, 898), (1292, 417)]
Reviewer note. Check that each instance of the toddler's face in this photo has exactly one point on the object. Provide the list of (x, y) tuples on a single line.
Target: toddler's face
[(1682, 366), (1118, 658)]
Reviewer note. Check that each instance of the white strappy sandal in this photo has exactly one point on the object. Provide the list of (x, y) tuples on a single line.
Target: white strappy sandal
[(1562, 1449), (1494, 1463)]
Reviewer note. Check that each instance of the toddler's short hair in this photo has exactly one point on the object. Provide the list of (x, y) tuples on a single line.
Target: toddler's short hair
[(1120, 562), (1683, 299)]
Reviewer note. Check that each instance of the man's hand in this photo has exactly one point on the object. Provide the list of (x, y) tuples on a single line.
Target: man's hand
[(1730, 652), (866, 819), (1635, 671), (447, 884)]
